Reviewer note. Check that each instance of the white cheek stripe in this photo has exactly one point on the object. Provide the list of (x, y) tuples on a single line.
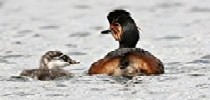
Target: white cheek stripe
[(57, 64)]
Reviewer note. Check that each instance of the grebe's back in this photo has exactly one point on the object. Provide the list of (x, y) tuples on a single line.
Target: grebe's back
[(127, 62)]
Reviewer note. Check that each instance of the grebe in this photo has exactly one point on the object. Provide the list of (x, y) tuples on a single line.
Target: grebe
[(51, 66), (127, 60)]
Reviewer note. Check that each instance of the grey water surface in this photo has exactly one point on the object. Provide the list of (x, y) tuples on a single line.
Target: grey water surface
[(176, 31)]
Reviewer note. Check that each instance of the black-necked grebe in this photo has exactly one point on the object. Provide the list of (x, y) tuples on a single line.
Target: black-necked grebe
[(51, 66), (127, 60)]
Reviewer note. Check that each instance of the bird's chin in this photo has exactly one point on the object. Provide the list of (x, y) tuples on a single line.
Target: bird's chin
[(57, 65)]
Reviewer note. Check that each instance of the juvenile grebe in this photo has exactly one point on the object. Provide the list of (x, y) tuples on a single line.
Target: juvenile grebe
[(51, 66), (127, 60)]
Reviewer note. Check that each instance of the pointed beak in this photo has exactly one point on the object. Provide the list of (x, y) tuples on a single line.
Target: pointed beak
[(108, 31), (67, 59), (73, 62)]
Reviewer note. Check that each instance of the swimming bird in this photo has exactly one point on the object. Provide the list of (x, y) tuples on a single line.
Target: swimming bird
[(51, 66), (127, 60)]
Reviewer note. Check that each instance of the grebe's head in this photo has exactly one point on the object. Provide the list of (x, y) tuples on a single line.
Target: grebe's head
[(123, 28), (60, 62), (52, 54)]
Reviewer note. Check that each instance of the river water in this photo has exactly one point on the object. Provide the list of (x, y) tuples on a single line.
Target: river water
[(176, 31)]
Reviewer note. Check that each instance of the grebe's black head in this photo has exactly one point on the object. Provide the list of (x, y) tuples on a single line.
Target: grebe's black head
[(114, 15), (123, 28)]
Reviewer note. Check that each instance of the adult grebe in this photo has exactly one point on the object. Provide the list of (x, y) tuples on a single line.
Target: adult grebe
[(51, 66), (127, 60)]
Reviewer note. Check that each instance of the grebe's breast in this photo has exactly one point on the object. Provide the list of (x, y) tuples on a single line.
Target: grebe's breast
[(128, 62)]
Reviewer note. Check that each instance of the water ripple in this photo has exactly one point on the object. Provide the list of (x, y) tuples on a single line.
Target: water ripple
[(196, 75), (203, 61), (205, 57), (77, 53), (15, 79), (11, 56), (36, 35), (80, 34), (199, 9), (1, 4), (6, 61), (49, 27), (203, 85), (170, 38), (82, 6), (169, 4), (97, 28), (24, 31), (71, 45)]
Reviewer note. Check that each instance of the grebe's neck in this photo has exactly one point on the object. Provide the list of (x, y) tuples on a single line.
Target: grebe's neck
[(130, 36), (48, 57), (124, 45)]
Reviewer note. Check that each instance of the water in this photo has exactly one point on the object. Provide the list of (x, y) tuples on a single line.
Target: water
[(177, 32)]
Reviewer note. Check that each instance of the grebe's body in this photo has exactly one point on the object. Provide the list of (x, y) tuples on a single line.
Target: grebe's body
[(45, 74), (127, 60), (51, 66)]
